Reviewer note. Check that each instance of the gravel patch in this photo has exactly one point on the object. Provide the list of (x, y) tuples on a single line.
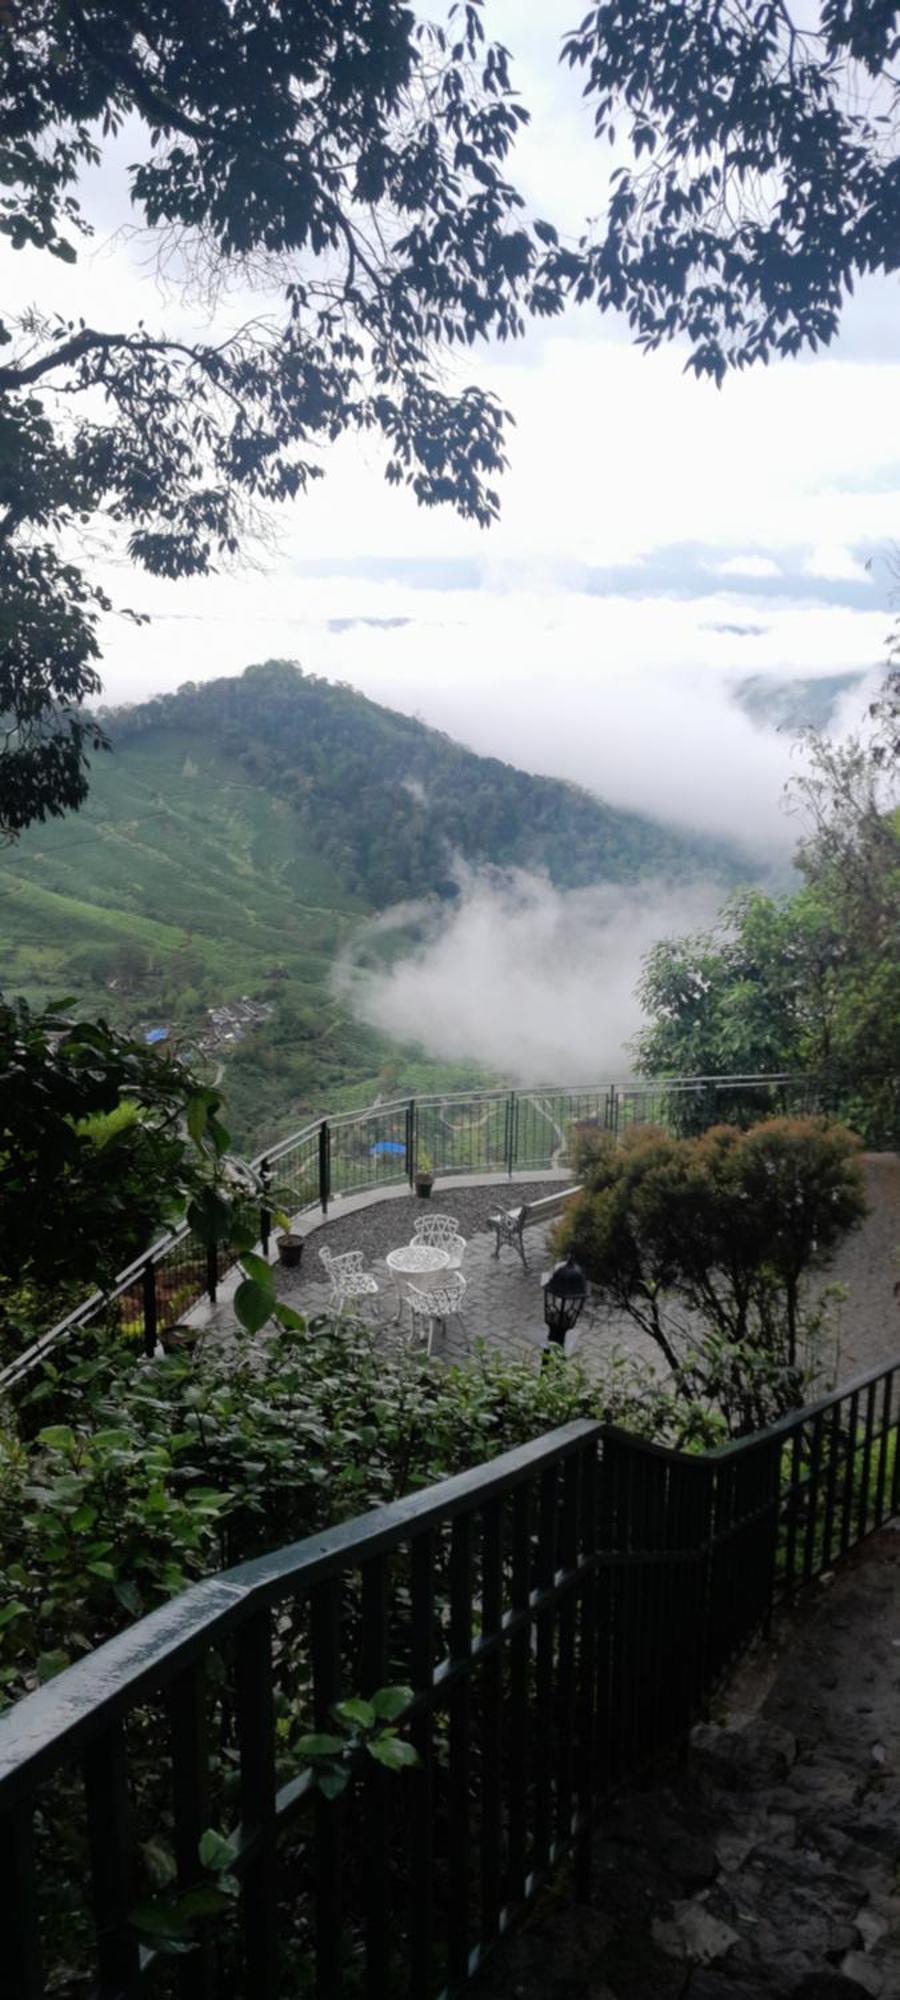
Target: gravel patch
[(380, 1228)]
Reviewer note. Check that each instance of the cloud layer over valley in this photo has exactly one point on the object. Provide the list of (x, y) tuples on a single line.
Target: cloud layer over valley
[(533, 982)]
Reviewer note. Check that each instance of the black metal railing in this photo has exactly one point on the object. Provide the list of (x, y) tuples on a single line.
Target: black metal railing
[(559, 1616), (353, 1152)]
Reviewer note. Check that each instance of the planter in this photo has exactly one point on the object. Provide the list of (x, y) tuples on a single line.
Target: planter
[(290, 1250), (424, 1185)]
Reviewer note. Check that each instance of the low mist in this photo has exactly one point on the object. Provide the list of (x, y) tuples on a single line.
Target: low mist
[(530, 980)]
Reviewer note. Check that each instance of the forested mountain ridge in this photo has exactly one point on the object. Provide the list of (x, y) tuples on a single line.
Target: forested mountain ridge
[(389, 802), (232, 844)]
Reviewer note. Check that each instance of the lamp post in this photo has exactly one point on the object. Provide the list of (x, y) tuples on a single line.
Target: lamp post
[(565, 1291)]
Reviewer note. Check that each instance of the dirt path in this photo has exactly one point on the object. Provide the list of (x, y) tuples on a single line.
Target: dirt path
[(766, 1869)]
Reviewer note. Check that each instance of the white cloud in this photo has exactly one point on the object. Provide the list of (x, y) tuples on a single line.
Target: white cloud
[(629, 696), (832, 559), (570, 959), (747, 565)]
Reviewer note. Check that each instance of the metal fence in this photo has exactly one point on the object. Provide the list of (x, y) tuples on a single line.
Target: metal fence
[(559, 1617), (354, 1152)]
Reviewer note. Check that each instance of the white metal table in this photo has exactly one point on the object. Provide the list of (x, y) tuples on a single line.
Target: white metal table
[(421, 1261)]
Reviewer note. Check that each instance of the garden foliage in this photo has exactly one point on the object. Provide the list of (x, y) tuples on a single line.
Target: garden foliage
[(810, 982), (125, 1481), (708, 1244), (103, 1144)]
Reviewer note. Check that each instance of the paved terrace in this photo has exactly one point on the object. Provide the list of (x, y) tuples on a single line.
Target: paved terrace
[(504, 1304)]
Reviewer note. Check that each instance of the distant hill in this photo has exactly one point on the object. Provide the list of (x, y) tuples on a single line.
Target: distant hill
[(795, 704), (234, 841), (388, 802)]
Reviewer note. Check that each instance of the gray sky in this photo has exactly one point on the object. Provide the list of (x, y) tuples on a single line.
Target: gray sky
[(660, 539)]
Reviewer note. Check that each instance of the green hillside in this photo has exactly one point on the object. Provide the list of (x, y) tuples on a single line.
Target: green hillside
[(234, 841)]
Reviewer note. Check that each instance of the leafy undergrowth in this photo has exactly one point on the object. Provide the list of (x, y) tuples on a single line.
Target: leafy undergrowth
[(154, 1473)]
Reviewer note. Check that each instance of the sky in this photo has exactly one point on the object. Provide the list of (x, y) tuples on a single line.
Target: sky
[(660, 540)]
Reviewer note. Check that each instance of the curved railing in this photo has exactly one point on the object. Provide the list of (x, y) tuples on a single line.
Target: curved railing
[(352, 1152), (556, 1616)]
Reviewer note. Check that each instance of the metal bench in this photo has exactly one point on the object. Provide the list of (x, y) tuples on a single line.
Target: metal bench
[(509, 1224)]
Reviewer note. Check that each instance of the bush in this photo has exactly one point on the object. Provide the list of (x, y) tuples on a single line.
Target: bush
[(155, 1472), (706, 1243)]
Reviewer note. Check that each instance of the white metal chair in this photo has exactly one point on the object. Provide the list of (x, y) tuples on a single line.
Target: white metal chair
[(443, 1232), (348, 1278), (437, 1305)]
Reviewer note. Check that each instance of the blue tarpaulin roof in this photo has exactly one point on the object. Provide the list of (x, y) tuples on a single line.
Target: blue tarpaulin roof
[(388, 1146), (157, 1035)]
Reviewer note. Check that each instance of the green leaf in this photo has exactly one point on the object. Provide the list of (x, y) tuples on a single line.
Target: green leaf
[(289, 1320), (253, 1305), (332, 1783), (59, 1437), (51, 1663), (16, 1609), (159, 1862), (392, 1751), (166, 1924), (257, 1268), (219, 1135), (206, 1900), (389, 1702), (128, 1595), (197, 1115), (104, 1570), (216, 1851), (321, 1745), (357, 1711)]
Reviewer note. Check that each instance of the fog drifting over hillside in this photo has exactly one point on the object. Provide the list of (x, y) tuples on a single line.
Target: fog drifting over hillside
[(533, 981)]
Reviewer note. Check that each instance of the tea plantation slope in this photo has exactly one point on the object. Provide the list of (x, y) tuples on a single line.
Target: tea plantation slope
[(234, 841), (390, 802)]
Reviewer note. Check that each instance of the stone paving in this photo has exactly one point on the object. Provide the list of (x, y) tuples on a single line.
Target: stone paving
[(766, 1866), (503, 1306)]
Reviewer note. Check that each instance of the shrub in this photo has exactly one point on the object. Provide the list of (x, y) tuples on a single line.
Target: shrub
[(155, 1472), (706, 1243)]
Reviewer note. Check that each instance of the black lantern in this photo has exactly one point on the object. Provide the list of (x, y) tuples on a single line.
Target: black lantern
[(565, 1291)]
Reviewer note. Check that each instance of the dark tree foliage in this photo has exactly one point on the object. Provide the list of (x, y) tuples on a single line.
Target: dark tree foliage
[(812, 981), (346, 160), (347, 163), (93, 1157), (763, 173)]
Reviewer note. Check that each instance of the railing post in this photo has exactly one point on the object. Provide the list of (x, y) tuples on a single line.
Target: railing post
[(324, 1165), (212, 1270), (511, 1133), (773, 1512), (410, 1141), (150, 1313), (21, 1977), (265, 1213)]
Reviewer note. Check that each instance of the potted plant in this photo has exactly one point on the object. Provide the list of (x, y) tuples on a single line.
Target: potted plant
[(290, 1249), (424, 1176)]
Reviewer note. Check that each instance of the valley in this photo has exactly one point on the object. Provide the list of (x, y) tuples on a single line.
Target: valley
[(234, 842)]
